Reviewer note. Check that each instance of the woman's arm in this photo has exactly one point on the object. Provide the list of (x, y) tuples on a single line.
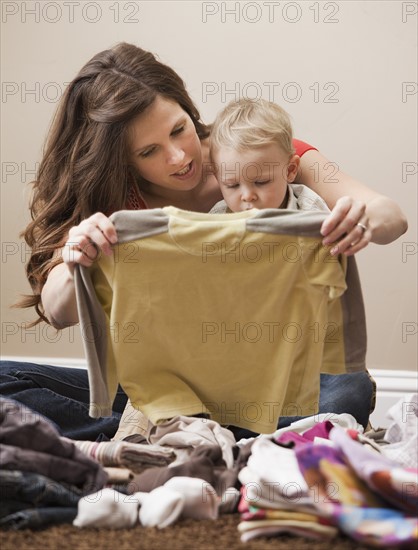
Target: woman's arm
[(352, 203), (85, 241), (58, 297)]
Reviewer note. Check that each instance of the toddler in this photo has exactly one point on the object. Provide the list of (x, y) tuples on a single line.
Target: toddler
[(254, 159)]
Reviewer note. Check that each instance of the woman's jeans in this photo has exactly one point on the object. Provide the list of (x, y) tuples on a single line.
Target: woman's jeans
[(62, 395)]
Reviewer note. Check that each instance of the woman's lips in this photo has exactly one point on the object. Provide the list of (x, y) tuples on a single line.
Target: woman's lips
[(184, 174)]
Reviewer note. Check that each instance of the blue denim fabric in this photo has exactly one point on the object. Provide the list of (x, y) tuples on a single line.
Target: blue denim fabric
[(61, 395), (31, 501), (37, 518), (24, 490)]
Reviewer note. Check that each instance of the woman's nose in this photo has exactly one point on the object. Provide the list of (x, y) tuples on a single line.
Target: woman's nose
[(175, 155)]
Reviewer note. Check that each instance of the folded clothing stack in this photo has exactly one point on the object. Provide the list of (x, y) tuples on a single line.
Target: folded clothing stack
[(133, 456), (322, 480)]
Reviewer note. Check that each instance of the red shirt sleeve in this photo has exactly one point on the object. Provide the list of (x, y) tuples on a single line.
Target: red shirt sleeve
[(301, 147)]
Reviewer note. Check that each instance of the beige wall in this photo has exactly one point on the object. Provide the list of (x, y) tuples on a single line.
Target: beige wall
[(346, 71)]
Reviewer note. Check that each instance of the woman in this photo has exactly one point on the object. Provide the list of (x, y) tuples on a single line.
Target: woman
[(127, 135)]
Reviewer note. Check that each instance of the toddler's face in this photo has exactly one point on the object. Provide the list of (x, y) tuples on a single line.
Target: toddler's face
[(255, 178)]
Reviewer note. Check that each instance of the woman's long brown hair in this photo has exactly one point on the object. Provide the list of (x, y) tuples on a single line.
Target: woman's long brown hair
[(85, 166)]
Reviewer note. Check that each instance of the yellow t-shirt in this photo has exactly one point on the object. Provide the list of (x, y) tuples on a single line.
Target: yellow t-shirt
[(223, 314)]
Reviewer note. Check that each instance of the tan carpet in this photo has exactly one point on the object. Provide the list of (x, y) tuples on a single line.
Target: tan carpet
[(185, 535)]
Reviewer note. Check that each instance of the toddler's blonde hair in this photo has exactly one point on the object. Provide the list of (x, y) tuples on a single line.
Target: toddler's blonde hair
[(249, 123)]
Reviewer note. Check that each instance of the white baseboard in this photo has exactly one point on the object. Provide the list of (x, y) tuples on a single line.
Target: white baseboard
[(392, 385), (54, 361)]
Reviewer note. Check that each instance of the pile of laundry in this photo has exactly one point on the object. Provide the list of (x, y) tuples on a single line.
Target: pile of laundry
[(47, 479), (316, 478), (42, 476)]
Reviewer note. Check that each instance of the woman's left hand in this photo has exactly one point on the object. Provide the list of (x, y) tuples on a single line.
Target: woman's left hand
[(348, 222)]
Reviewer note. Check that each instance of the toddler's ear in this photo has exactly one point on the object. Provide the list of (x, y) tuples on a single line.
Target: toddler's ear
[(292, 168)]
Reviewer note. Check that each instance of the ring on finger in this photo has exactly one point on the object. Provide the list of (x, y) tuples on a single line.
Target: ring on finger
[(362, 226)]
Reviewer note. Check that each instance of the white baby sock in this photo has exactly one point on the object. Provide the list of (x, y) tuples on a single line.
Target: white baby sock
[(107, 508), (200, 498), (159, 508)]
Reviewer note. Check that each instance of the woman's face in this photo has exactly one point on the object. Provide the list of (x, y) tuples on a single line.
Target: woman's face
[(165, 148)]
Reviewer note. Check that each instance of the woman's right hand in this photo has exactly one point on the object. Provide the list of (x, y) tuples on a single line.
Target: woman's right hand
[(87, 240)]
